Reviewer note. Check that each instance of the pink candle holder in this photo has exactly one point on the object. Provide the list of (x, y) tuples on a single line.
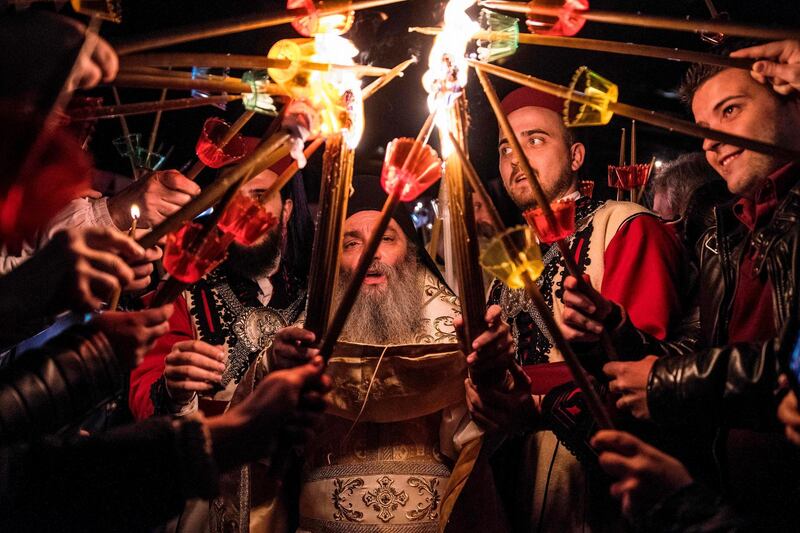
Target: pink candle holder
[(567, 22), (310, 23), (208, 147), (190, 266), (564, 214), (416, 174), (586, 188), (246, 219), (628, 177)]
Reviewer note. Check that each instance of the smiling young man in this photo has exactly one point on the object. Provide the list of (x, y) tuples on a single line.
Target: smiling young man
[(746, 247)]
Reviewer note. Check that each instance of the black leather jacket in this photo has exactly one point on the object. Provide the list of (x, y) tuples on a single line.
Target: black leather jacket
[(731, 384)]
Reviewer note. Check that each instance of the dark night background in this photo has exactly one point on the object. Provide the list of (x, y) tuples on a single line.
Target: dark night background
[(399, 109)]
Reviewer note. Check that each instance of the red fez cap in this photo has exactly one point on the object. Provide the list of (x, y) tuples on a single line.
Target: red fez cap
[(278, 168), (527, 97)]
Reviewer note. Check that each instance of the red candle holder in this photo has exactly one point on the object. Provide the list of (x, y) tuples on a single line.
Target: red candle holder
[(209, 149), (586, 188), (566, 23), (628, 177), (190, 266), (246, 219), (310, 23), (564, 214), (410, 164)]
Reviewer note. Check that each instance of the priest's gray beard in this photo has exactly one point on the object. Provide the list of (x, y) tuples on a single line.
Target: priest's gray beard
[(390, 314)]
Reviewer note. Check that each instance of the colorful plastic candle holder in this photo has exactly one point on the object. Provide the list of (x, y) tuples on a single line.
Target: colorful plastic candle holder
[(296, 51), (491, 49), (208, 145), (246, 219), (333, 95), (146, 160), (567, 23), (415, 174), (564, 215), (628, 177), (715, 38), (127, 144), (512, 254), (599, 90), (104, 9), (204, 73), (586, 188), (130, 146), (258, 100), (310, 23), (190, 266)]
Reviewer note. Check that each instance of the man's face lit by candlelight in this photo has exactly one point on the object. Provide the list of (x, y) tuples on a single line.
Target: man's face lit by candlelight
[(733, 102), (262, 256), (549, 151), (391, 252)]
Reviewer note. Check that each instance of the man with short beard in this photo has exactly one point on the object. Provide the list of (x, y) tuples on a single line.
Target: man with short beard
[(636, 268), (222, 324), (397, 420)]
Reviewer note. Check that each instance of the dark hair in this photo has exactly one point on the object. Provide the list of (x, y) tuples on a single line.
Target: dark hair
[(680, 178), (699, 73), (296, 256)]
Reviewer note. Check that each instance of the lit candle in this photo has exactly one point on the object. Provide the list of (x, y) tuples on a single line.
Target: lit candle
[(135, 214)]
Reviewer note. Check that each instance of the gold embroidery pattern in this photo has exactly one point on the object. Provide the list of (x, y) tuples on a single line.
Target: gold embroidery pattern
[(429, 489), (342, 488), (385, 499), (443, 331)]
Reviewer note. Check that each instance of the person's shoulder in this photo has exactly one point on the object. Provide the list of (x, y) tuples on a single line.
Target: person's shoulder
[(613, 215), (699, 215)]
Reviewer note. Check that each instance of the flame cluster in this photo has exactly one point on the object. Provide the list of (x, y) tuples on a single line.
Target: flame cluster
[(446, 76)]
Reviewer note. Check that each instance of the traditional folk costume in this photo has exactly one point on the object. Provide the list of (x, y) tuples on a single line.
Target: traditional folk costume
[(394, 429), (632, 260), (226, 309)]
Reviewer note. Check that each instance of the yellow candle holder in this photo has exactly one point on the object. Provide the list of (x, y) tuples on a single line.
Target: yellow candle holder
[(598, 90), (334, 96), (512, 254), (104, 9)]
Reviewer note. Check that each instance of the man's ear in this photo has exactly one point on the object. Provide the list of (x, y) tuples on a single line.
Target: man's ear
[(286, 212), (577, 152)]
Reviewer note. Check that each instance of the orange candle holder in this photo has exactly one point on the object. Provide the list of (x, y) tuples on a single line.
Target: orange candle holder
[(209, 149), (567, 23), (246, 219), (188, 265), (410, 164), (564, 218)]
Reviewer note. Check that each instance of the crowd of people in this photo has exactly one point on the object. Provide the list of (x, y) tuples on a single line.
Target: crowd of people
[(237, 423)]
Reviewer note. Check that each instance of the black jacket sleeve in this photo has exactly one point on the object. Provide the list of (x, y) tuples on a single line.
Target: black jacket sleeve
[(692, 509), (732, 386), (57, 385)]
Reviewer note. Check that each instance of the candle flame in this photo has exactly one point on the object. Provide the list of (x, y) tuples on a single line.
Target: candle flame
[(446, 76), (332, 48), (135, 213)]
